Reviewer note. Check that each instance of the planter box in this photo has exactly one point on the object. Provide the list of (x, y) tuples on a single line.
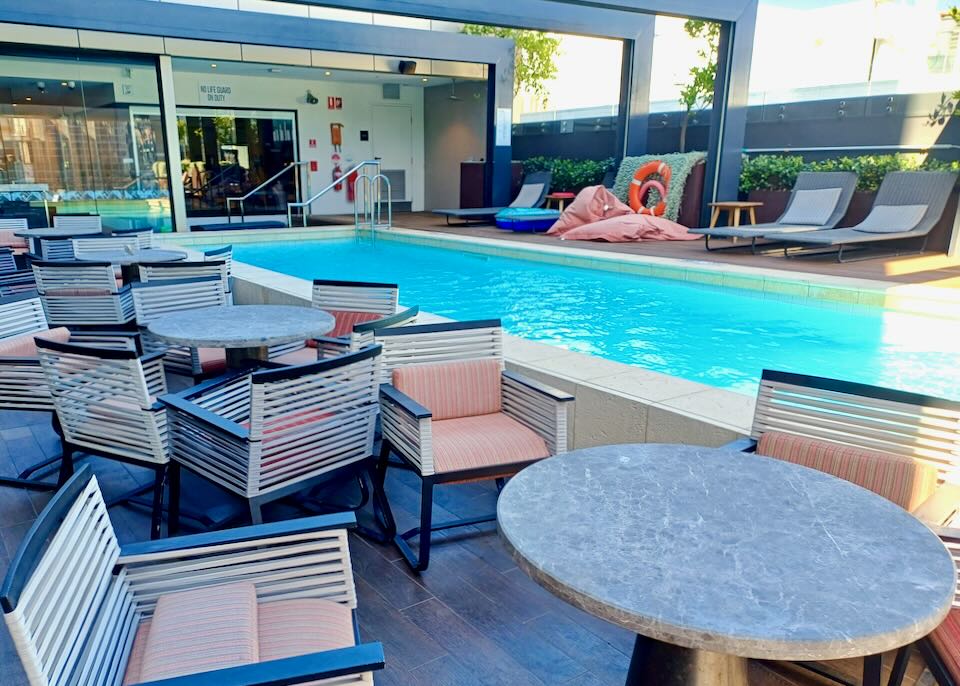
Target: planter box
[(775, 202)]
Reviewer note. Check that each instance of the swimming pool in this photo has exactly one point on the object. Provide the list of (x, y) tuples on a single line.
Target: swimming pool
[(723, 337)]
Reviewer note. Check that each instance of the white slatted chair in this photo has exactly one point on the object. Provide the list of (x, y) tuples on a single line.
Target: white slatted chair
[(359, 309), (8, 263), (85, 245), (452, 413), (267, 434), (106, 402), (80, 607), (56, 248), (8, 227), (153, 299), (224, 254), (82, 293), (165, 271), (144, 236), (904, 446), (78, 221)]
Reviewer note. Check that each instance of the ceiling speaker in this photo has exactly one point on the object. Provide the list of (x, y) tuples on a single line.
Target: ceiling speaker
[(407, 67)]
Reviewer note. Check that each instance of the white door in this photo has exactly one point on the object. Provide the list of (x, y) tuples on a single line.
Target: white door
[(392, 142)]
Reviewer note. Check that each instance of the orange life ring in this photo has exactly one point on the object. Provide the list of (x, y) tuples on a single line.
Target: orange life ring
[(640, 186)]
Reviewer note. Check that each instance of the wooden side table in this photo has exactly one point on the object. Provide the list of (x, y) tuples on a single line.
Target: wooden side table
[(733, 208), (560, 198)]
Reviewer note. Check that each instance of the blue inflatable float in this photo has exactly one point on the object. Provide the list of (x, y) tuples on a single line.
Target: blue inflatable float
[(528, 219)]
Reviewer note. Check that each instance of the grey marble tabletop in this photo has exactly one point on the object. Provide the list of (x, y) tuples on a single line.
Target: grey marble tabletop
[(122, 257), (57, 232), (242, 326), (727, 552)]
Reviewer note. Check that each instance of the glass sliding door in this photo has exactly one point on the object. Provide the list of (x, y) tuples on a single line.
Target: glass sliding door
[(228, 153), (82, 133)]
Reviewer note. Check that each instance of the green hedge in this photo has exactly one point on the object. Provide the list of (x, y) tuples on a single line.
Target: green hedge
[(570, 175), (779, 172)]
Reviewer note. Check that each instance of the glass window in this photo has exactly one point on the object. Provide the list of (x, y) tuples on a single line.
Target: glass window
[(82, 134)]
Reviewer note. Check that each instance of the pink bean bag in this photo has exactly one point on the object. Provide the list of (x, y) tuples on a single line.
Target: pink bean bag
[(592, 204), (630, 228)]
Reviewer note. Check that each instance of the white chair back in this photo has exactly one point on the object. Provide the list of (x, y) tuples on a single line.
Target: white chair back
[(78, 221), (56, 248), (7, 261), (356, 296), (155, 299), (144, 236), (224, 254), (14, 224), (164, 271), (21, 314), (85, 245), (104, 401), (906, 424), (71, 618), (436, 343)]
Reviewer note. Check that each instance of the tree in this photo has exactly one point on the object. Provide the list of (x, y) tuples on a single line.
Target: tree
[(697, 94), (949, 105), (535, 55)]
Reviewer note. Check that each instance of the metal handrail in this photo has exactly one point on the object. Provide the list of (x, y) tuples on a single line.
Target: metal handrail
[(263, 185), (369, 186), (326, 189)]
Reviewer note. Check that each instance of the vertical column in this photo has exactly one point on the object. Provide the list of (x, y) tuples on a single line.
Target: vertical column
[(729, 120), (634, 113), (499, 128), (953, 248), (168, 106)]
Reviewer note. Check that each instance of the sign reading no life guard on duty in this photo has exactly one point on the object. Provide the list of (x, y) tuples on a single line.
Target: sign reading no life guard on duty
[(215, 94)]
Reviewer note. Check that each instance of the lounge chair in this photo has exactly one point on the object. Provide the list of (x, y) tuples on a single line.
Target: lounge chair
[(830, 208), (533, 193), (82, 293), (908, 206)]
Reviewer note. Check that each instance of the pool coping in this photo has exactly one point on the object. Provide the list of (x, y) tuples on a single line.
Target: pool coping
[(834, 291)]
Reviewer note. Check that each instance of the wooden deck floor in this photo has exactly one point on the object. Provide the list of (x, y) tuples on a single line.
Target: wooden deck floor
[(933, 269), (473, 619)]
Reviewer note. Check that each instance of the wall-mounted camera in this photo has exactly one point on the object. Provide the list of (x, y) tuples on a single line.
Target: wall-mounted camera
[(311, 98)]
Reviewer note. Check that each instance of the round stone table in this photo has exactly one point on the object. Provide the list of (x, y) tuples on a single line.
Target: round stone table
[(713, 556), (127, 261), (246, 331)]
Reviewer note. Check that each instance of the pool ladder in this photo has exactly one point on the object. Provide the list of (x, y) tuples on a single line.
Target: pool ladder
[(368, 201)]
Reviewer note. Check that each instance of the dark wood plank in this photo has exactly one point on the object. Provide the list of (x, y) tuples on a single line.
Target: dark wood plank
[(397, 588), (607, 663)]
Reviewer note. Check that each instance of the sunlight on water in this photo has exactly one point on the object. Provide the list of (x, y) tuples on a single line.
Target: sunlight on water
[(720, 337)]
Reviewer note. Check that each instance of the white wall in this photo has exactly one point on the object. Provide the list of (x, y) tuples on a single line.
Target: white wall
[(274, 92)]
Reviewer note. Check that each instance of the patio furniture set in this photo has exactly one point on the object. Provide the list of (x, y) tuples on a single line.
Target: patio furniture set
[(773, 548)]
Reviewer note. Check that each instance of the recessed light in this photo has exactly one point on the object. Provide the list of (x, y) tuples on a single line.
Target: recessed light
[(63, 83), (14, 104), (28, 98), (424, 79), (213, 65), (274, 70), (328, 73)]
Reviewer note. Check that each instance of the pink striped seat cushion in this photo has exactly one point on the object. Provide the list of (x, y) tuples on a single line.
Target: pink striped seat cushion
[(212, 360), (347, 319), (200, 630), (223, 626), (483, 441), (302, 356), (900, 479), (453, 389), (8, 240), (946, 641), (24, 345)]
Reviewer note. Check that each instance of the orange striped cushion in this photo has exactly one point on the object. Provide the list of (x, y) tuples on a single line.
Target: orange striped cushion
[(8, 240), (900, 479), (212, 360), (135, 661), (483, 441), (347, 319), (200, 630), (302, 356), (946, 641), (24, 345), (298, 627), (453, 389)]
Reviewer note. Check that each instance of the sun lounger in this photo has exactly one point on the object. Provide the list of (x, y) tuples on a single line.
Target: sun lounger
[(533, 193), (826, 194), (908, 206)]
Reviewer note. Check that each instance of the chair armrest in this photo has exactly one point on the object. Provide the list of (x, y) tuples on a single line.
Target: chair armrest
[(301, 669), (538, 387), (176, 403), (407, 426), (331, 346), (121, 340), (742, 445), (262, 533), (539, 407), (940, 508)]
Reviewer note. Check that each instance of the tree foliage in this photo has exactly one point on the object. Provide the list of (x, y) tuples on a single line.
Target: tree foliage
[(535, 57), (697, 94)]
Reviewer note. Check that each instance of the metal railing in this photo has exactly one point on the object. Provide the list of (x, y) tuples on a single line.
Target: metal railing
[(372, 216), (241, 199), (305, 205)]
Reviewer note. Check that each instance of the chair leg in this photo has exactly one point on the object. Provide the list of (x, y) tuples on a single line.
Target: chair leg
[(900, 665), (159, 484), (256, 513), (173, 500), (501, 482), (421, 560), (381, 504), (66, 463)]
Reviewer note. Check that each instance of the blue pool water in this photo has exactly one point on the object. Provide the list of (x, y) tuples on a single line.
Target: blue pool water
[(720, 337)]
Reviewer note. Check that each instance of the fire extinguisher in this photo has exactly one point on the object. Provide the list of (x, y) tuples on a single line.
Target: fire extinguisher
[(337, 171), (351, 186)]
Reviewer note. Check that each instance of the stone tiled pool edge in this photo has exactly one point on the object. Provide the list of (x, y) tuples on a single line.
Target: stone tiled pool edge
[(841, 292), (616, 402)]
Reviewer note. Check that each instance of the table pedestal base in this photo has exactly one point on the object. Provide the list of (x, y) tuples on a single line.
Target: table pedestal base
[(655, 663), (238, 358)]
